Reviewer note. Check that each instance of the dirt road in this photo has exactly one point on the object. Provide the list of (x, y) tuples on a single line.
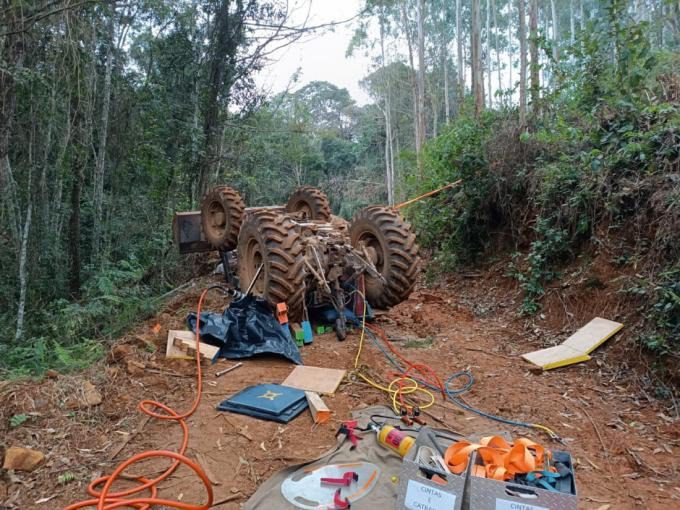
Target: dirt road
[(623, 440)]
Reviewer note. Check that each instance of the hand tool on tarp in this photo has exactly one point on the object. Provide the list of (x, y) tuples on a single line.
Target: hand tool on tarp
[(345, 480), (348, 429), (340, 504)]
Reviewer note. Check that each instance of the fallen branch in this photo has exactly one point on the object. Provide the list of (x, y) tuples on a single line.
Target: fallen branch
[(129, 437), (222, 501)]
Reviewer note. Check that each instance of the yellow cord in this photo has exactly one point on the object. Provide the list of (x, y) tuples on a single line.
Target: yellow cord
[(550, 432), (415, 387), (394, 393)]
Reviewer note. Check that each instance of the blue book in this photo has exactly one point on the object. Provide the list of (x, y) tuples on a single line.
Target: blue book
[(268, 402)]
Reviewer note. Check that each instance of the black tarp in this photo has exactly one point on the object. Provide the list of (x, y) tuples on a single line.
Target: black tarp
[(246, 328)]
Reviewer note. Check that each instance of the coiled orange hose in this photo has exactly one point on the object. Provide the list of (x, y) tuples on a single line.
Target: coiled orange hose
[(106, 500)]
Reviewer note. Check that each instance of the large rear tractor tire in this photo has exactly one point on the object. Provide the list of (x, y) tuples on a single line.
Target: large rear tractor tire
[(309, 203), (391, 245), (222, 211), (273, 240)]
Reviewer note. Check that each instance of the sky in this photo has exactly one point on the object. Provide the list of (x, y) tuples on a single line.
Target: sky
[(320, 56)]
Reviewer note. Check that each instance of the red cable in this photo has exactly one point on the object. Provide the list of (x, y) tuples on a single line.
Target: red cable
[(105, 500), (426, 373)]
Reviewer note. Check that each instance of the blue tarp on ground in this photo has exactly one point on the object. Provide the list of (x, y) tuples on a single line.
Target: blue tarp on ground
[(246, 328)]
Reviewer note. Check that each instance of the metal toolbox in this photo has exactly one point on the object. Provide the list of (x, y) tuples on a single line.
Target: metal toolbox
[(416, 491), (489, 494)]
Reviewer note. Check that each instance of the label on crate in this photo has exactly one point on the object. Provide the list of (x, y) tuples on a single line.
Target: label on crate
[(504, 504), (423, 497)]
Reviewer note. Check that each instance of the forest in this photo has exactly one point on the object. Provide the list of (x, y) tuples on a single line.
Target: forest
[(561, 117)]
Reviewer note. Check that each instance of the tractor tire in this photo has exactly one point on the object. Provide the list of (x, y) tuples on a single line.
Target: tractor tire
[(310, 203), (273, 240), (391, 244), (222, 211)]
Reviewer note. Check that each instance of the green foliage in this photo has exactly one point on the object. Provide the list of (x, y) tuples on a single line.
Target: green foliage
[(545, 250), (601, 155), (67, 335), (66, 478), (457, 230), (661, 310), (18, 420)]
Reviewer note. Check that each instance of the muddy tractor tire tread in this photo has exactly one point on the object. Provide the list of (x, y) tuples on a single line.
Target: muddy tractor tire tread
[(394, 237), (283, 256), (223, 236), (312, 201)]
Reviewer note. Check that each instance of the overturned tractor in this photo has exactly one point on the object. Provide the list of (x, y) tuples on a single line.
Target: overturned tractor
[(302, 255)]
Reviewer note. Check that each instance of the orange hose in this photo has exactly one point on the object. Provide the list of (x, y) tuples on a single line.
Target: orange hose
[(105, 500)]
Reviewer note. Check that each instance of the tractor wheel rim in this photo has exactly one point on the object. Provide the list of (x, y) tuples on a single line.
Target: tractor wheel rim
[(304, 210), (374, 249), (252, 263), (217, 223)]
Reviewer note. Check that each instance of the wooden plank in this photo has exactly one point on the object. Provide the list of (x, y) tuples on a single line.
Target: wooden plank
[(577, 347), (554, 357), (319, 380), (318, 408), (176, 351), (593, 334), (182, 344)]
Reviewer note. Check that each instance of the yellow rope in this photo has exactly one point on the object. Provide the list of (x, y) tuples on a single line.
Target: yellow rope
[(394, 393), (415, 388)]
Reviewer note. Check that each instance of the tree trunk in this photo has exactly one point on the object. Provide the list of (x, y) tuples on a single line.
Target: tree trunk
[(100, 164), (421, 85), (74, 227), (572, 24), (522, 36), (556, 31), (476, 59), (495, 44), (459, 54), (387, 114), (224, 43), (79, 151), (43, 196), (533, 50), (488, 52), (23, 270), (581, 16), (414, 85), (11, 48), (447, 106), (511, 84)]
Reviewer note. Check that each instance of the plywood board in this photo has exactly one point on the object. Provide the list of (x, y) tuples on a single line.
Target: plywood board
[(593, 334), (554, 357), (577, 347), (319, 380)]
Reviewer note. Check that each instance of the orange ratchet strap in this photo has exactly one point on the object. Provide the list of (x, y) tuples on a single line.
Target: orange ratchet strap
[(502, 460)]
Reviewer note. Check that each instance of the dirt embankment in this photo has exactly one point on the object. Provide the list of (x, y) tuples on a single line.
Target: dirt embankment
[(623, 439)]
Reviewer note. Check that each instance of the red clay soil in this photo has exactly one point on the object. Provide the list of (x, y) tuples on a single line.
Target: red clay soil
[(622, 439)]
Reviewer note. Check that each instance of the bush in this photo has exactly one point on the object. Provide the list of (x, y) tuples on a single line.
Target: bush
[(601, 156), (67, 335)]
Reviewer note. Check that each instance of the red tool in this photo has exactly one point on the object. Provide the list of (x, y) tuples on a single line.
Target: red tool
[(347, 428), (405, 417), (340, 504), (345, 481), (415, 416)]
